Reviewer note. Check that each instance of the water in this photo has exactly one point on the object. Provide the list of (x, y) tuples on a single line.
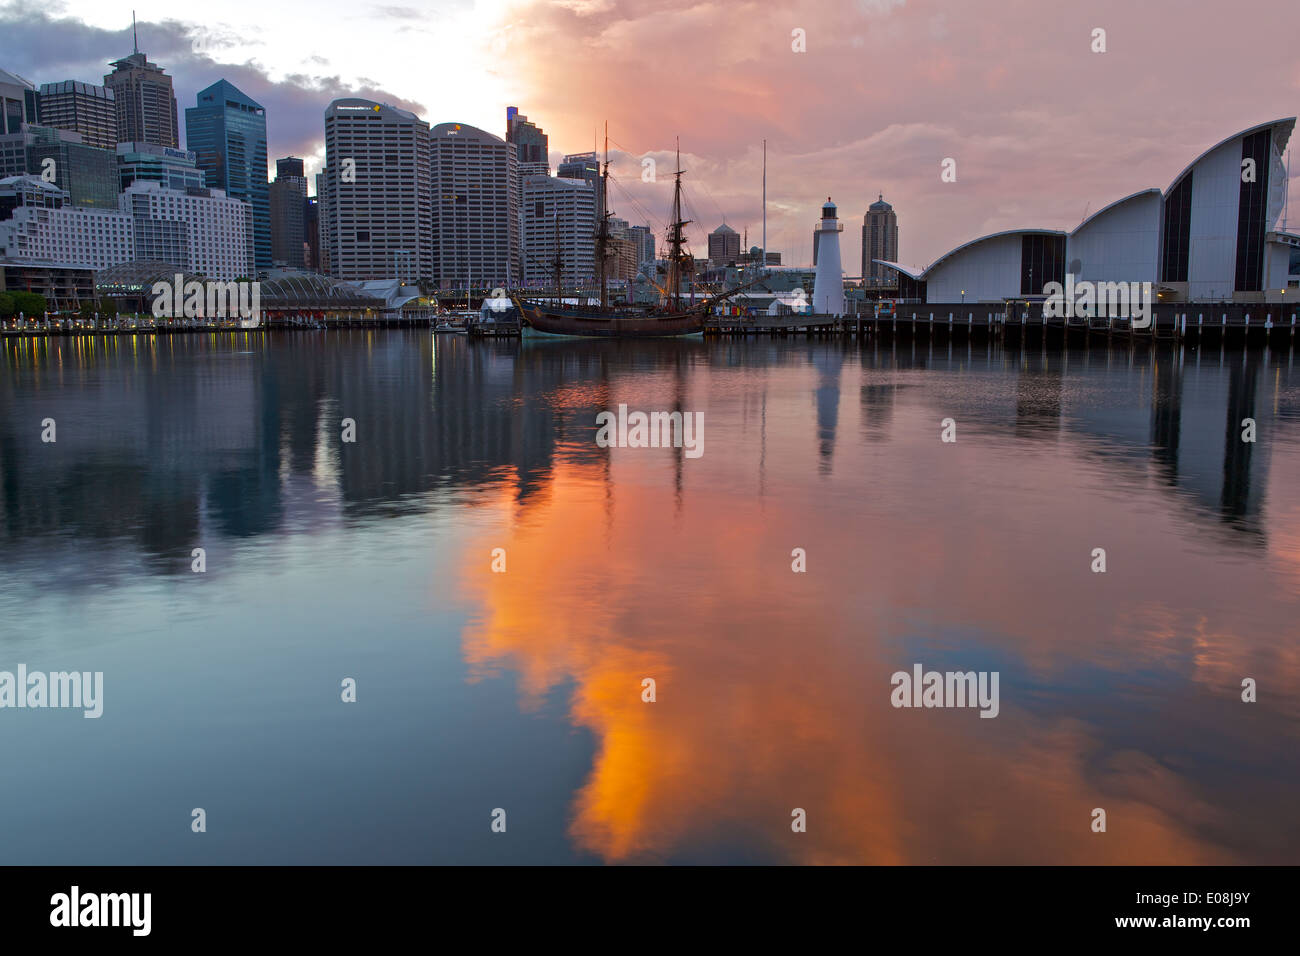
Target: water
[(522, 690)]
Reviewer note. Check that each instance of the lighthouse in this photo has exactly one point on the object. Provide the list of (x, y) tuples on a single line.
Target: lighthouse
[(828, 286)]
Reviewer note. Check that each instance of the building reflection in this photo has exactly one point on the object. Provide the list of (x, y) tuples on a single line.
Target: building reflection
[(162, 441)]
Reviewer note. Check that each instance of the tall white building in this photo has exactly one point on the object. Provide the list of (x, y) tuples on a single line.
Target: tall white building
[(37, 222), (378, 197), (828, 285), (198, 230), (476, 210), (558, 211)]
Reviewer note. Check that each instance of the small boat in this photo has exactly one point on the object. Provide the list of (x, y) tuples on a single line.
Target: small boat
[(455, 324)]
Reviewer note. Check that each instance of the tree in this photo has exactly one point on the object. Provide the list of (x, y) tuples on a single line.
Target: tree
[(7, 306), (107, 307), (29, 303)]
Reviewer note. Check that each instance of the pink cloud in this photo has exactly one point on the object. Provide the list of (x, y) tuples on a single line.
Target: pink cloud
[(1042, 128)]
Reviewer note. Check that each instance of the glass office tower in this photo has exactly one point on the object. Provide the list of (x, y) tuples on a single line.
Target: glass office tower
[(227, 132)]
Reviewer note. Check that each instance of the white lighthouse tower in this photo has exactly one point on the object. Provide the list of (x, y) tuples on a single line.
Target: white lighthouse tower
[(828, 286)]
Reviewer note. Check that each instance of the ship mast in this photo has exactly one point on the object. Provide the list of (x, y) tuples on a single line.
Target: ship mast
[(676, 239), (602, 236)]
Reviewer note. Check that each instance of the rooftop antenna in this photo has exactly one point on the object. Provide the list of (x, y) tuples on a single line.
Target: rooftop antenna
[(135, 35)]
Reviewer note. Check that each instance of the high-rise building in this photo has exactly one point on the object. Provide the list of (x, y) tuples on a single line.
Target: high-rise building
[(322, 250), (18, 110), (311, 234), (879, 241), (289, 214), (377, 193), (88, 174), (38, 222), (227, 132), (584, 166), (724, 246), (559, 214), (530, 141), (623, 253), (645, 238), (82, 108), (146, 104), (18, 103), (147, 162), (476, 221), (196, 230)]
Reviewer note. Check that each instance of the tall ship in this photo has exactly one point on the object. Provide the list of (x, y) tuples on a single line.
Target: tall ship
[(673, 315)]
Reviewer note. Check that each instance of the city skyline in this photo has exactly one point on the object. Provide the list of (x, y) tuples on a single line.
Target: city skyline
[(985, 88)]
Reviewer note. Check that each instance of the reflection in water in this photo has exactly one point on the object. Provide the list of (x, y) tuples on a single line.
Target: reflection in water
[(1118, 691)]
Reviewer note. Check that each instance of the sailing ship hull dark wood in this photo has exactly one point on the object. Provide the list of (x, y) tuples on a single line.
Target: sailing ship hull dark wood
[(594, 323)]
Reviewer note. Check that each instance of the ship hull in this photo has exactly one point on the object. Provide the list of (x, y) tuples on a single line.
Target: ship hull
[(592, 323)]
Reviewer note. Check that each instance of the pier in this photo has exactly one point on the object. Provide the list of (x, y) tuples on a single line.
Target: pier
[(1177, 322), (149, 325)]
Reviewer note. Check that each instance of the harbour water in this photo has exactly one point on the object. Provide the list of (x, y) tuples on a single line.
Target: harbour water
[(523, 688)]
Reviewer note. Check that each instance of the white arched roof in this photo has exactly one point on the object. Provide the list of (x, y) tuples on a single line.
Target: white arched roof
[(1288, 123), (898, 267), (992, 235), (1118, 202)]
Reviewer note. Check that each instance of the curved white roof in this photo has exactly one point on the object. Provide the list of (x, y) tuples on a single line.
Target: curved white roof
[(1288, 122), (1118, 202), (899, 267), (992, 235)]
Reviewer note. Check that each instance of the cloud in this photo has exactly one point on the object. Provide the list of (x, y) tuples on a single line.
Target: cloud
[(44, 48), (1041, 127)]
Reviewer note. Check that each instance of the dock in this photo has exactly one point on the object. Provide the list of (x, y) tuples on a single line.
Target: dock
[(1177, 322)]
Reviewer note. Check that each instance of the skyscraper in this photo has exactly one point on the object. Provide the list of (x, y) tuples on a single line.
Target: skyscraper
[(311, 234), (88, 174), (82, 108), (289, 214), (145, 102), (476, 220), (583, 166), (227, 132), (18, 101), (724, 246), (530, 141), (377, 193), (879, 241), (17, 112), (559, 215), (646, 243), (321, 258)]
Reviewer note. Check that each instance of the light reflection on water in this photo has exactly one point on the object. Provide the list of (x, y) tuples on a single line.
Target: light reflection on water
[(522, 690)]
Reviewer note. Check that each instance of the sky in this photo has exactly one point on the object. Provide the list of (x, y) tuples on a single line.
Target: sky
[(1042, 128)]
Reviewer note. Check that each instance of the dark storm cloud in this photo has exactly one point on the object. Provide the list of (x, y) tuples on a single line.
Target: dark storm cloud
[(44, 47)]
